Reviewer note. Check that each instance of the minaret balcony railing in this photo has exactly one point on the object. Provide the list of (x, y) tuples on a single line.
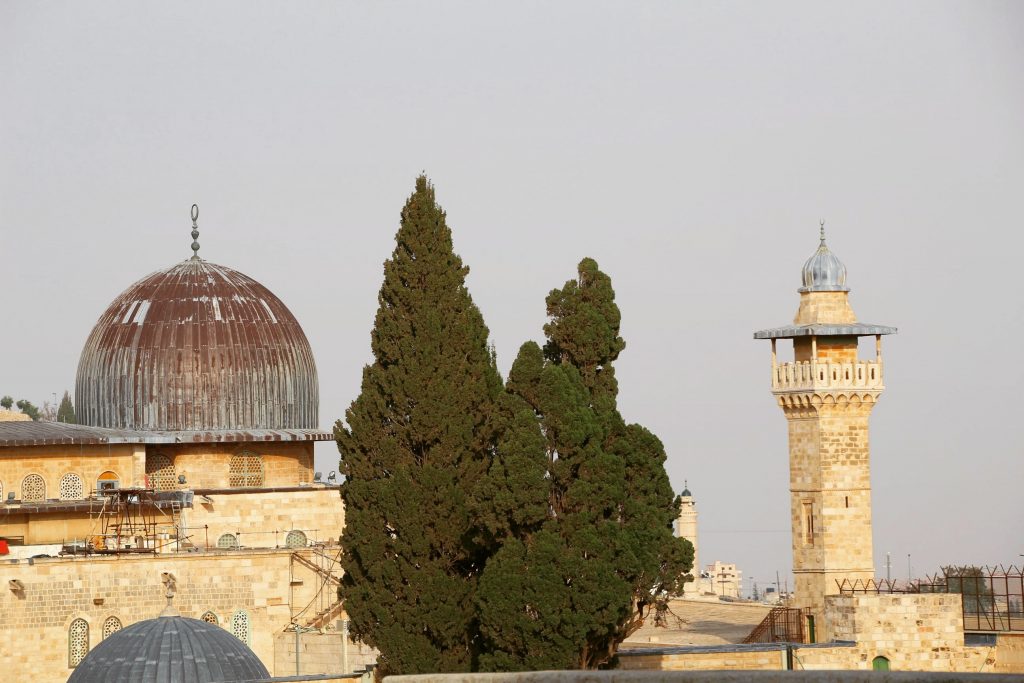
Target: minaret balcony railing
[(827, 375)]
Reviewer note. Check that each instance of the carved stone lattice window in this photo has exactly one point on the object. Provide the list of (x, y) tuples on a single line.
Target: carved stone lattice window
[(78, 642), (240, 626), (71, 487), (111, 626), (33, 489), (160, 471), (295, 539), (246, 469), (210, 618), (227, 541)]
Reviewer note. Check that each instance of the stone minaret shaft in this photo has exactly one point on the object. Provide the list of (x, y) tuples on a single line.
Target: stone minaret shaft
[(827, 394)]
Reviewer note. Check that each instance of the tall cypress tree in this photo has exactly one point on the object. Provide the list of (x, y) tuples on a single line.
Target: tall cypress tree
[(584, 332), (66, 411), (565, 590), (418, 439)]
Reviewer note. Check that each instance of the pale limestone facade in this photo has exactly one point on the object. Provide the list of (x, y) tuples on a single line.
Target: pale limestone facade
[(264, 589), (827, 395), (261, 582)]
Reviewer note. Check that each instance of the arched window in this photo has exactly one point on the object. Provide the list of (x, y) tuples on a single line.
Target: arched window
[(71, 487), (880, 664), (33, 489), (160, 472), (78, 642), (295, 539), (246, 469), (111, 626), (240, 626), (108, 480), (210, 618), (227, 541)]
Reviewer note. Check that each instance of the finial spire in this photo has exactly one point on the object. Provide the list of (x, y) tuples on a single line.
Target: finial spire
[(195, 232), (822, 224)]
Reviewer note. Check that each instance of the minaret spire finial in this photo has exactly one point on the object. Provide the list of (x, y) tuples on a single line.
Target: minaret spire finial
[(822, 224), (195, 232)]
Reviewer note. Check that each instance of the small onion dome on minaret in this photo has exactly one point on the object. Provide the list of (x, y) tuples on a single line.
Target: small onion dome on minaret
[(686, 490), (824, 272)]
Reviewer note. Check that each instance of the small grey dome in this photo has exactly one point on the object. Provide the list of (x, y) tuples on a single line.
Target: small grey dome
[(824, 272), (170, 650)]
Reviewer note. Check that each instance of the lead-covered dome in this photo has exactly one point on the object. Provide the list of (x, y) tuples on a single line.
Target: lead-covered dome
[(197, 347), (824, 272), (170, 649)]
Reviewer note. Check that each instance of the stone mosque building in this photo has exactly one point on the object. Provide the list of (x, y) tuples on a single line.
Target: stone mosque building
[(197, 398)]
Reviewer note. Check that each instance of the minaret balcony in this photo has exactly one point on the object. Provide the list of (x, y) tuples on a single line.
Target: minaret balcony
[(827, 376)]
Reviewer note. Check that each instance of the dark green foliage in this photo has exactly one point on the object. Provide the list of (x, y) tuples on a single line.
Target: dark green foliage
[(564, 591), (66, 411), (418, 439), (7, 402), (974, 584), (27, 408)]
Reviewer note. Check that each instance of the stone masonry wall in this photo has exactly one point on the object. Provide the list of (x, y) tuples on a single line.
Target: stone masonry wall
[(53, 462), (285, 463), (34, 621), (263, 519), (824, 308)]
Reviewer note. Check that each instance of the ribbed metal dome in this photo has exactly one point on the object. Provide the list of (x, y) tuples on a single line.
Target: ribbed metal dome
[(824, 272), (170, 650), (197, 347)]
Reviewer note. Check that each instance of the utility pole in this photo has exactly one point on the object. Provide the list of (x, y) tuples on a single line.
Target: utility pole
[(909, 573), (888, 567)]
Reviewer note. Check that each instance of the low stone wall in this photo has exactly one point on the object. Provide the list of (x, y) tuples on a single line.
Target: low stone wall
[(321, 653), (1010, 653), (707, 677)]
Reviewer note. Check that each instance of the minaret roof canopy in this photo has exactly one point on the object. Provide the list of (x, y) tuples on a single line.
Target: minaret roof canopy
[(848, 330)]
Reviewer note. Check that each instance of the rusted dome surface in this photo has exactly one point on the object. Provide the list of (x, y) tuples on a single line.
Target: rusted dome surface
[(197, 347)]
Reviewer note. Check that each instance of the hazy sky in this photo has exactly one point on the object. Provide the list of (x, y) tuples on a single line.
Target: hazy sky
[(691, 148)]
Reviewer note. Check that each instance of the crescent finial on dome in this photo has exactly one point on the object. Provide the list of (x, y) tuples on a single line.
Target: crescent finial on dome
[(195, 232)]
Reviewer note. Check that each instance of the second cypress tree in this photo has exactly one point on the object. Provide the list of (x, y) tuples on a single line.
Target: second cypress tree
[(417, 440)]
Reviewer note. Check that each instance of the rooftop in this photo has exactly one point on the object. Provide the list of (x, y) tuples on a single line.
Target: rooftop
[(60, 433)]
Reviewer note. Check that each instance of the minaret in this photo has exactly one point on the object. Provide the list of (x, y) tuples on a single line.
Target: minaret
[(827, 394), (686, 525)]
